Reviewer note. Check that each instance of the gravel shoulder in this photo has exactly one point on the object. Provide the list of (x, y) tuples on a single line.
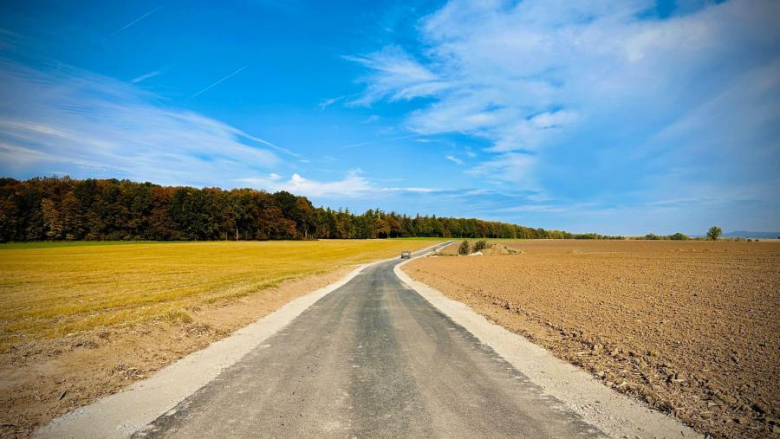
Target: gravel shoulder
[(689, 328)]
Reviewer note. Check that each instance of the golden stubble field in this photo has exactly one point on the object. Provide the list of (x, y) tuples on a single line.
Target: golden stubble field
[(691, 328), (81, 321)]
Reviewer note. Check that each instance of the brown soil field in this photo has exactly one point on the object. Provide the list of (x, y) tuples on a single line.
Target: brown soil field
[(690, 328)]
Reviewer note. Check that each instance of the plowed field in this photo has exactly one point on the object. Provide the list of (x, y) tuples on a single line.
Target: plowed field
[(691, 328)]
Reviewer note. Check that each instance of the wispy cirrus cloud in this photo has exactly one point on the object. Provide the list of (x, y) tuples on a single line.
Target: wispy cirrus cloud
[(453, 159), (67, 121), (325, 103), (518, 73), (395, 75), (145, 76), (598, 96), (509, 167), (71, 121)]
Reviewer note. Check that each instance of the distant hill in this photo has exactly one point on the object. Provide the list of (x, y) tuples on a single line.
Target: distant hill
[(744, 234)]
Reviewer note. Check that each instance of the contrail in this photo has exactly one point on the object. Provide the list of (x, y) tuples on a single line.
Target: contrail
[(134, 22), (218, 82), (387, 139), (269, 144)]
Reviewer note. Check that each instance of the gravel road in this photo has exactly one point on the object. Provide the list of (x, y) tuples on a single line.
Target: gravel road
[(371, 359)]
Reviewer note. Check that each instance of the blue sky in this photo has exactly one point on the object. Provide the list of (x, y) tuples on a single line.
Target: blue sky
[(613, 116)]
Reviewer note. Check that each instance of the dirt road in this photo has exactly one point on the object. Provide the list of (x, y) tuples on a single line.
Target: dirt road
[(371, 359)]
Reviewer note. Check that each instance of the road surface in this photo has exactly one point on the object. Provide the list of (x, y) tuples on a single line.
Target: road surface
[(371, 359)]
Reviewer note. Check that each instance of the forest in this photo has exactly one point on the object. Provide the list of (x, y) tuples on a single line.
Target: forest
[(56, 209)]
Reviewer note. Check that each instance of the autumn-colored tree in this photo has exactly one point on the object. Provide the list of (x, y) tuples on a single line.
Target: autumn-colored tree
[(63, 208), (52, 224)]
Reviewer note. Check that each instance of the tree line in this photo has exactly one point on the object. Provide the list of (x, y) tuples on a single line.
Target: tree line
[(108, 209)]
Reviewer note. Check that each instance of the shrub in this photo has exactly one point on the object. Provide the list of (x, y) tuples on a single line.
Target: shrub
[(464, 247), (480, 245), (652, 237), (714, 233), (679, 237)]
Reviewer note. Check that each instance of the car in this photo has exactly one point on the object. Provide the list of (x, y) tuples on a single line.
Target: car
[(406, 254)]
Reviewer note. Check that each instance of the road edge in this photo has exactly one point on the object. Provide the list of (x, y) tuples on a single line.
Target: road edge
[(122, 414), (613, 413)]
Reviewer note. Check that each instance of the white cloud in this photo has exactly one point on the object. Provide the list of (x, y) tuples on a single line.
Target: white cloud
[(397, 76), (412, 189), (89, 125), (548, 120), (454, 159), (552, 208), (22, 156), (353, 185), (510, 167), (325, 103), (590, 74)]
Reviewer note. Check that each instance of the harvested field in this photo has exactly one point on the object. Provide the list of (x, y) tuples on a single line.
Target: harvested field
[(691, 328), (78, 322)]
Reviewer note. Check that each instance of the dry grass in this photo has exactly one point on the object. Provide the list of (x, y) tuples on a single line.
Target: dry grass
[(50, 291)]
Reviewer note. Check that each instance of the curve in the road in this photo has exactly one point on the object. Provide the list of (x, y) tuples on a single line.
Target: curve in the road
[(371, 359)]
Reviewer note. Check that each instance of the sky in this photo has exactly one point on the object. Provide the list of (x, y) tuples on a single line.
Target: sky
[(609, 116)]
